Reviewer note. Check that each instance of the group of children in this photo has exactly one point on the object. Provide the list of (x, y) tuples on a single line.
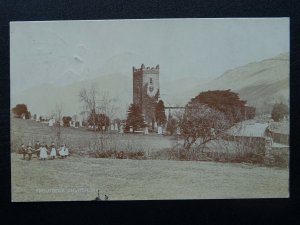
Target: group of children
[(43, 150)]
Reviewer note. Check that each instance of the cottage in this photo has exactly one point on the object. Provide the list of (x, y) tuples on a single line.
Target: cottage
[(279, 132), (249, 132)]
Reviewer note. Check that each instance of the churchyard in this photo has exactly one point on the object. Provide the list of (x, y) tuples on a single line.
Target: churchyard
[(81, 176), (81, 139)]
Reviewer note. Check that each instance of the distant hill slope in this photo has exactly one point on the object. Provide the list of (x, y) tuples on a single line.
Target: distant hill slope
[(260, 83), (43, 99)]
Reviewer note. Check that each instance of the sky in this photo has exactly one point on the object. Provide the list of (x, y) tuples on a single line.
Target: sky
[(63, 52)]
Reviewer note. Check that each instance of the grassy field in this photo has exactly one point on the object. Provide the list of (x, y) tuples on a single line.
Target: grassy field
[(80, 177), (25, 131)]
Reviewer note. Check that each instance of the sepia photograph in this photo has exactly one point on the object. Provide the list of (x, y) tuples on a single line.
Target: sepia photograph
[(149, 109)]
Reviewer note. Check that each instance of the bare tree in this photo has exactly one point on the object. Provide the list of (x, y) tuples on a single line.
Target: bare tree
[(58, 117), (75, 117), (201, 124), (95, 104), (88, 98), (107, 105)]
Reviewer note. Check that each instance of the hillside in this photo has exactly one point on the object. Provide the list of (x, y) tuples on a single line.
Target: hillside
[(43, 99), (260, 83)]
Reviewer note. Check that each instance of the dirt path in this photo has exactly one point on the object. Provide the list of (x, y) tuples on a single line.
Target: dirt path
[(78, 178)]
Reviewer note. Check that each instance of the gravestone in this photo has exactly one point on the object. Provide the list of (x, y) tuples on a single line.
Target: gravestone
[(146, 131), (121, 129), (116, 127), (51, 122), (159, 130)]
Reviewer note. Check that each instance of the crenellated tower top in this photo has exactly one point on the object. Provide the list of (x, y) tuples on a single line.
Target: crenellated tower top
[(146, 70)]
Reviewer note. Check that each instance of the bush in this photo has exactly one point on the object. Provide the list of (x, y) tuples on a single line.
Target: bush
[(251, 153), (279, 111), (66, 121), (278, 158), (19, 110), (138, 155)]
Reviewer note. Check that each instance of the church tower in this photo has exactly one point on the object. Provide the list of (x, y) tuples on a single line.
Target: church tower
[(146, 90)]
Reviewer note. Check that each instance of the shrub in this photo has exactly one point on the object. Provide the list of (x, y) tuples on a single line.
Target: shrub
[(279, 111), (137, 155)]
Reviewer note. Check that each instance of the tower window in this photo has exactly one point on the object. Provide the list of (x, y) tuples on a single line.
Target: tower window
[(151, 81)]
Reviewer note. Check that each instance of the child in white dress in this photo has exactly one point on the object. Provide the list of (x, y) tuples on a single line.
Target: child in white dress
[(43, 153), (62, 151), (66, 151), (53, 151)]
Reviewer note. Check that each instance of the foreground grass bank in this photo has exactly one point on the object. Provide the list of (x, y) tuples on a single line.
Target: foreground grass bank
[(79, 178)]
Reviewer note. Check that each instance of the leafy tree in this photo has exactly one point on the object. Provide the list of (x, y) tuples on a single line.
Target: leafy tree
[(210, 114), (66, 120), (279, 111), (250, 112), (19, 110), (135, 118), (227, 102), (99, 120), (160, 113)]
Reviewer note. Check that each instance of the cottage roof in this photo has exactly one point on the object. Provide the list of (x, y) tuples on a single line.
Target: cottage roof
[(248, 129)]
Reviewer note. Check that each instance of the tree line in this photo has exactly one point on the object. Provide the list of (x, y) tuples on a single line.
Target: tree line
[(205, 116)]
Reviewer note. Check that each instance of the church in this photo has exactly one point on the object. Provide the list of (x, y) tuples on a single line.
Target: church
[(146, 90)]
